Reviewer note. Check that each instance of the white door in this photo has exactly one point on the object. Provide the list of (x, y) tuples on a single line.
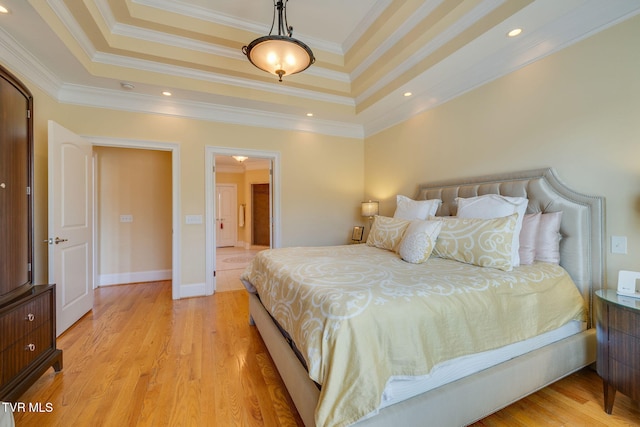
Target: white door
[(226, 215), (70, 224)]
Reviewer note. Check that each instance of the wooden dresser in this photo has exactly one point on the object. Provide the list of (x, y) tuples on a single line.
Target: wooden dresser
[(618, 332), (28, 341)]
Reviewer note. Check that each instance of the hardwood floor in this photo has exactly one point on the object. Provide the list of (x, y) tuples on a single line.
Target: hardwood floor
[(141, 359)]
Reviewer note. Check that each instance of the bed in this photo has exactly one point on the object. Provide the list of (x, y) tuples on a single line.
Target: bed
[(446, 395)]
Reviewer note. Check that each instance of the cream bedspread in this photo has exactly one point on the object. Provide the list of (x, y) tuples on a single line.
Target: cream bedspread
[(360, 314)]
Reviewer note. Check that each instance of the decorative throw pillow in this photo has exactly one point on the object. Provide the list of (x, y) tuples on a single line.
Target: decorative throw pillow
[(419, 240), (386, 233), (494, 206), (548, 240), (409, 209), (528, 237), (481, 242)]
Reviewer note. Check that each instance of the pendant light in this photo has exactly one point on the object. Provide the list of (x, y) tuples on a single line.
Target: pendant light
[(279, 54)]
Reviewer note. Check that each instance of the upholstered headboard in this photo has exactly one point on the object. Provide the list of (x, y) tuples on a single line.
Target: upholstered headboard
[(582, 228)]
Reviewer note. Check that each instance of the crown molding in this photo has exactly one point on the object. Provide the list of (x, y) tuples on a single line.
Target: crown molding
[(140, 103), (194, 11), (23, 62)]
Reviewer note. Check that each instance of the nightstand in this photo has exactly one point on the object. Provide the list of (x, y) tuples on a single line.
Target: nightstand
[(618, 332)]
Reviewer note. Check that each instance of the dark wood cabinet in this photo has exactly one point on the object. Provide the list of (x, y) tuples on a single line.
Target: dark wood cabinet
[(28, 341), (27, 312), (618, 332)]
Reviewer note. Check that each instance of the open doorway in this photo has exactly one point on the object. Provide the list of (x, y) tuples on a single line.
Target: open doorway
[(248, 170)]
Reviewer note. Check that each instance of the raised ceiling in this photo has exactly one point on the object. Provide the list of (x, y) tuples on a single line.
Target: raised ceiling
[(369, 53)]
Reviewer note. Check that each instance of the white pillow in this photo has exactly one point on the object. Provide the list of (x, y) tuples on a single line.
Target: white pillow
[(409, 209), (418, 241), (490, 206)]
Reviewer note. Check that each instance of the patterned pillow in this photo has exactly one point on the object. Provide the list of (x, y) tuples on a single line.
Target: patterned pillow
[(481, 242), (490, 206), (419, 240), (386, 233)]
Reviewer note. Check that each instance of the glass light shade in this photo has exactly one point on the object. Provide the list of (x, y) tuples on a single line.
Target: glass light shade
[(370, 208), (279, 55)]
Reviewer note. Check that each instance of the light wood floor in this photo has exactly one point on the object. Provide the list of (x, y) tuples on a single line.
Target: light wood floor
[(141, 359)]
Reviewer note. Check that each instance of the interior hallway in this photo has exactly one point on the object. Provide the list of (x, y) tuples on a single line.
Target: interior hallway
[(230, 263)]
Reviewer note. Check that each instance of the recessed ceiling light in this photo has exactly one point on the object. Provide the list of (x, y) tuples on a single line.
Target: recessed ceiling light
[(407, 94), (3, 9), (515, 32), (309, 114), (127, 86), (166, 93)]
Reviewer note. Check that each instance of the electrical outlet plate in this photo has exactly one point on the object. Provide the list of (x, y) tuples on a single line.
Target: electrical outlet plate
[(126, 218)]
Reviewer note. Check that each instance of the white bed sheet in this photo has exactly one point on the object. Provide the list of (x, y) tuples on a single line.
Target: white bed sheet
[(402, 388)]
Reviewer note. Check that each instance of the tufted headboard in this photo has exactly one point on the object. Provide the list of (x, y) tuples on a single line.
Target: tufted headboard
[(582, 228)]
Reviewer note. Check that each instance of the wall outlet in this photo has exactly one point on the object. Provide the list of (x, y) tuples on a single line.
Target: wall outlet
[(618, 245), (126, 218)]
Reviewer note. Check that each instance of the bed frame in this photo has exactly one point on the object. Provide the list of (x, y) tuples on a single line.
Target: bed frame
[(474, 397)]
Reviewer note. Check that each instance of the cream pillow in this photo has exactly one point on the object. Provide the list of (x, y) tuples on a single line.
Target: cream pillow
[(494, 206), (528, 237), (386, 233), (419, 240), (481, 242), (548, 239), (409, 209)]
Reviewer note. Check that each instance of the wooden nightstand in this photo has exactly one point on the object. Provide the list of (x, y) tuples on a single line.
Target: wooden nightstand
[(618, 332)]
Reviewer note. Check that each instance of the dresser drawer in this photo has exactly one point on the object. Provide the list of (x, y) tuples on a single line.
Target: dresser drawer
[(626, 320), (24, 351), (25, 319)]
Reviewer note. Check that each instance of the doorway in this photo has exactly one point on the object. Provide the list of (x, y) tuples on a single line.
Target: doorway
[(249, 168), (174, 190)]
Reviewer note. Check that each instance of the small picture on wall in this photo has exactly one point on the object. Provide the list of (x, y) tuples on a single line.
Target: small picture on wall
[(357, 233)]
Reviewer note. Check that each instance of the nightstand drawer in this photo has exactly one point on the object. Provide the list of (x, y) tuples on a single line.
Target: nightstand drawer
[(625, 320), (624, 348), (625, 378), (27, 349)]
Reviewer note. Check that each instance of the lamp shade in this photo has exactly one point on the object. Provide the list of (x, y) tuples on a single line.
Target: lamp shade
[(279, 55), (370, 208)]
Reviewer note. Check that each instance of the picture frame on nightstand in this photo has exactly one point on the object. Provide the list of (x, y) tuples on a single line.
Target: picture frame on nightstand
[(358, 232)]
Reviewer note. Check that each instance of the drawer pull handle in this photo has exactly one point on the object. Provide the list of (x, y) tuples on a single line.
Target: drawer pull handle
[(30, 347), (30, 317)]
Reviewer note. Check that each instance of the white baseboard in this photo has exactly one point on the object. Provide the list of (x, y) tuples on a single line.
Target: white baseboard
[(133, 277)]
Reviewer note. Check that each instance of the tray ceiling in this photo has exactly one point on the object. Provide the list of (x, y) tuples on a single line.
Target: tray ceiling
[(369, 53)]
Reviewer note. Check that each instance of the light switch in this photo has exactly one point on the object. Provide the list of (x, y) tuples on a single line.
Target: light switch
[(193, 219), (618, 245)]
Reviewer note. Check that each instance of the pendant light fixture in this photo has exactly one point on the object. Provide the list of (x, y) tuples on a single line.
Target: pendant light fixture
[(279, 54)]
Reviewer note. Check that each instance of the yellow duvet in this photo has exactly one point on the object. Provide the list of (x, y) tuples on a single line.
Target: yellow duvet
[(360, 315)]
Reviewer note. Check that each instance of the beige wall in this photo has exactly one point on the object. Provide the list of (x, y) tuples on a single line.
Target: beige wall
[(321, 176), (577, 111), (138, 183)]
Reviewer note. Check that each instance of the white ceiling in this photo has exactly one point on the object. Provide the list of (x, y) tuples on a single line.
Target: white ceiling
[(369, 52)]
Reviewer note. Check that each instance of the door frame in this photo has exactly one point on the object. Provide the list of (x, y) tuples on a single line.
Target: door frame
[(210, 188), (174, 148)]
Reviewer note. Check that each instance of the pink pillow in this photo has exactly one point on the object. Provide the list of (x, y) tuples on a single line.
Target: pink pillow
[(548, 241), (528, 237)]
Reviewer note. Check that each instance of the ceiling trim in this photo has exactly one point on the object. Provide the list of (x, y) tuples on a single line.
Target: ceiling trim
[(194, 11), (140, 103)]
